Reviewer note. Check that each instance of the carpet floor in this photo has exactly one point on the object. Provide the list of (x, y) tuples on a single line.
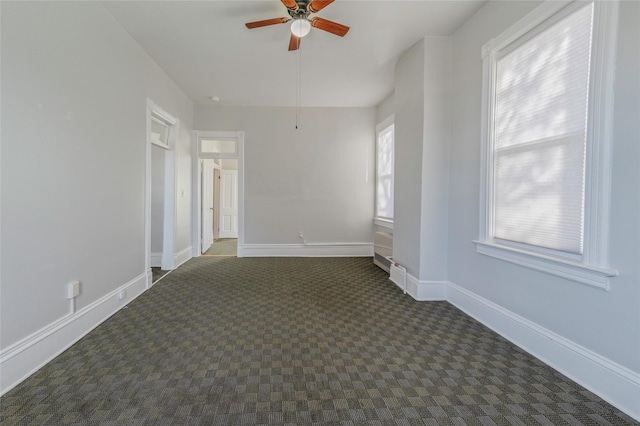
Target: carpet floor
[(223, 247), (244, 341)]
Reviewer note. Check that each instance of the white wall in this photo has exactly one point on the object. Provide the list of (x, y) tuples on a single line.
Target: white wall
[(605, 325), (318, 179), (409, 131), (385, 108), (74, 98), (422, 137), (229, 164), (435, 159)]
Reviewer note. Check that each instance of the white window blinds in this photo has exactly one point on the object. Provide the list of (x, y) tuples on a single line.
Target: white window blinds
[(384, 178), (541, 101)]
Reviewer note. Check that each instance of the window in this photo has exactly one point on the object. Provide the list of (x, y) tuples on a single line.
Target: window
[(546, 116), (384, 172), (225, 145), (161, 127), (218, 146)]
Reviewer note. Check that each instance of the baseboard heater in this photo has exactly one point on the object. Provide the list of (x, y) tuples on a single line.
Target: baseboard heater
[(382, 250)]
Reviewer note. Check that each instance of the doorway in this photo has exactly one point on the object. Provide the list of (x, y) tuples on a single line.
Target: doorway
[(218, 193), (220, 207), (160, 197)]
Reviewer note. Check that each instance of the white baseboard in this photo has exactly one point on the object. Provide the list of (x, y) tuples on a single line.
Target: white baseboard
[(155, 259), (178, 258), (306, 250), (182, 256), (612, 382), (22, 359), (424, 291)]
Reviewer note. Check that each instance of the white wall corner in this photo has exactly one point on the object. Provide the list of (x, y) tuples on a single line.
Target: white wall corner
[(23, 358), (426, 291), (610, 381), (306, 250), (182, 256)]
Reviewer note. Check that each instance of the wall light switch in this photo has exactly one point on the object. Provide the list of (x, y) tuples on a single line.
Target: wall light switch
[(73, 289)]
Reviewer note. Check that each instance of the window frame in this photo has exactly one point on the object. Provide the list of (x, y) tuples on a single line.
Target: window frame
[(592, 267), (380, 128), (222, 136), (163, 118)]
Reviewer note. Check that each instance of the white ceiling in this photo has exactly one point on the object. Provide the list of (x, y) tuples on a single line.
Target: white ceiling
[(206, 49)]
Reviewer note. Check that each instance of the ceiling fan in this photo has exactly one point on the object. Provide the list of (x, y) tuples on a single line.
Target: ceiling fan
[(299, 11)]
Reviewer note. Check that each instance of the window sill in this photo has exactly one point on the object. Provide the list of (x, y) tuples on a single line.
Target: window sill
[(586, 274), (384, 223), (161, 145)]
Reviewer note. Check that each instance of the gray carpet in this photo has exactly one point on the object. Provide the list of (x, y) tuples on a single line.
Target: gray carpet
[(157, 273), (223, 247), (230, 341)]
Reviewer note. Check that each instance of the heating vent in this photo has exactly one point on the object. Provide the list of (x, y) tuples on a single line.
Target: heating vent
[(399, 276), (383, 248)]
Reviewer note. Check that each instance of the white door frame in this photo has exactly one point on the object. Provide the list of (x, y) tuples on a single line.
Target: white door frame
[(213, 166), (223, 232), (168, 243), (196, 209)]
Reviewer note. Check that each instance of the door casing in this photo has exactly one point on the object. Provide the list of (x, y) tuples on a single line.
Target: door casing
[(196, 221)]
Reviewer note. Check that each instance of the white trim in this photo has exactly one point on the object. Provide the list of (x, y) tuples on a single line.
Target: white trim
[(612, 382), (228, 136), (306, 250), (155, 260), (160, 145), (579, 272), (426, 291), (182, 256), (385, 123), (593, 269), (196, 234), (164, 115), (170, 187), (20, 360), (599, 133), (383, 223), (523, 26)]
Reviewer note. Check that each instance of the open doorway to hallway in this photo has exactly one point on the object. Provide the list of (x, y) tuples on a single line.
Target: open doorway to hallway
[(218, 193), (219, 207)]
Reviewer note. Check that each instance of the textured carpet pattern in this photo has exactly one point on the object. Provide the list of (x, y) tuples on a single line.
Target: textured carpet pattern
[(231, 341), (157, 273), (223, 247)]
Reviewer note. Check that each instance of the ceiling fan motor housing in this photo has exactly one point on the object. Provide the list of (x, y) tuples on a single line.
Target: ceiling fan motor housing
[(299, 11)]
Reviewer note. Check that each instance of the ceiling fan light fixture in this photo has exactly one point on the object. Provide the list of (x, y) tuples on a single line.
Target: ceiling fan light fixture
[(300, 27)]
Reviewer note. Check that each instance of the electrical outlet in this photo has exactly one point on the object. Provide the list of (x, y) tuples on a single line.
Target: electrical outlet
[(122, 295), (300, 235), (73, 289)]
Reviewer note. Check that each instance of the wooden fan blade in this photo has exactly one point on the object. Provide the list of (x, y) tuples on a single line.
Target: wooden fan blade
[(329, 26), (266, 22), (294, 43), (290, 4), (317, 5)]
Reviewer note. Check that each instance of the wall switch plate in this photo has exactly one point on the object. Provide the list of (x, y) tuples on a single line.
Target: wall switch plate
[(73, 289)]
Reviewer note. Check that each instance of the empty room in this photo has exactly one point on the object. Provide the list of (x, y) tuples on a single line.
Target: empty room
[(320, 212)]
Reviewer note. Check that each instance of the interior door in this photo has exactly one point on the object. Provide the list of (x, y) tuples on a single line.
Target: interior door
[(229, 204), (207, 206), (216, 204)]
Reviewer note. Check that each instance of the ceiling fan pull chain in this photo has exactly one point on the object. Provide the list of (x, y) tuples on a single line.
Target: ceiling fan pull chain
[(299, 88)]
